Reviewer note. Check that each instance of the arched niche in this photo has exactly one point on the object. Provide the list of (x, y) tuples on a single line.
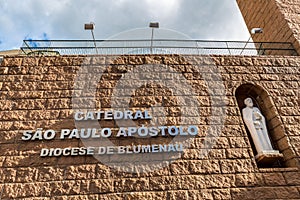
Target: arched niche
[(263, 101)]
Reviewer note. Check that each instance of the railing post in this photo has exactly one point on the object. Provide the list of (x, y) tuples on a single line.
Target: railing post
[(261, 49), (24, 41), (228, 48), (245, 45)]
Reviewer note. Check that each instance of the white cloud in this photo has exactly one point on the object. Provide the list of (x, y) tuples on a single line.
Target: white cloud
[(64, 19), (162, 9)]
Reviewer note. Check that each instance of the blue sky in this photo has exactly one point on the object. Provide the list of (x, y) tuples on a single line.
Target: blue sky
[(64, 19)]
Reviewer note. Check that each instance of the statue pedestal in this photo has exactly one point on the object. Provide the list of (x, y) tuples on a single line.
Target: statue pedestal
[(268, 157)]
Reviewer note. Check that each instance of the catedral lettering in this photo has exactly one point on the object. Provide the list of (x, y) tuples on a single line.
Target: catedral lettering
[(110, 115)]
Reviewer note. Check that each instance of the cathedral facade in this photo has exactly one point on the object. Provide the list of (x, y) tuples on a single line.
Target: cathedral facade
[(156, 126)]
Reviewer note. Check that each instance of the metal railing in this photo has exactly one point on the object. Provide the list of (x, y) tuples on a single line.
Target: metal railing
[(186, 47)]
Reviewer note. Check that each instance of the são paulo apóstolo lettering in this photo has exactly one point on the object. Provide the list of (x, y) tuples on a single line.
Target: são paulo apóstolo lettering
[(87, 133)]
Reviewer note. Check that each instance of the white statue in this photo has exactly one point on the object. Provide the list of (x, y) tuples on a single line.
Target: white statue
[(256, 125)]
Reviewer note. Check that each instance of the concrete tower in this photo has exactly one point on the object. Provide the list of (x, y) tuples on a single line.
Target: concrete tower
[(280, 20)]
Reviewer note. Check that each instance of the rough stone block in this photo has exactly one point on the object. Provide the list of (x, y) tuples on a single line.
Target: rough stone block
[(286, 192), (178, 168), (26, 175), (219, 181), (131, 184), (163, 183), (7, 175), (274, 179), (204, 166), (249, 179), (45, 174), (200, 194), (64, 187), (80, 172), (174, 195), (102, 186), (238, 165), (222, 194), (19, 190), (292, 178), (237, 153)]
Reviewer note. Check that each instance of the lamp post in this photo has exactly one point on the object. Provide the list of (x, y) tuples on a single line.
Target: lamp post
[(153, 25), (253, 32), (91, 26)]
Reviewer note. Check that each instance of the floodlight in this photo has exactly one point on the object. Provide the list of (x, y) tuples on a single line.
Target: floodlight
[(256, 30), (154, 25), (253, 32), (91, 26)]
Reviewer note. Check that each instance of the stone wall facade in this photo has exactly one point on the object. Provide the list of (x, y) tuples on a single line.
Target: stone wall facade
[(39, 92), (280, 20)]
